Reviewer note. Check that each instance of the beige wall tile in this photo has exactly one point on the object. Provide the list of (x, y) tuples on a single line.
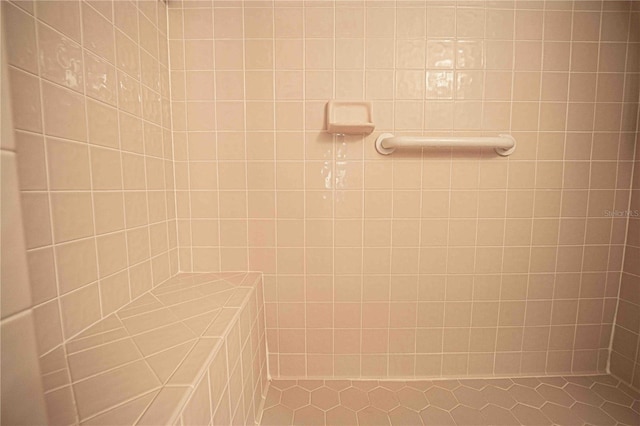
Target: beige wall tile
[(103, 124), (100, 79), (98, 33), (20, 26), (68, 73), (68, 164), (72, 215), (32, 172), (106, 169), (36, 219), (61, 15), (80, 309), (48, 328), (14, 265), (109, 211), (25, 102), (42, 274), (64, 113), (112, 253)]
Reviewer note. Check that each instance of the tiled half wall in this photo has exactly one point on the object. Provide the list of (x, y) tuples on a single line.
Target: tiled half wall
[(192, 352)]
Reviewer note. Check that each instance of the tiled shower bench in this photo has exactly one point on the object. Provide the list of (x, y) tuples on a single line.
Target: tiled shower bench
[(191, 351)]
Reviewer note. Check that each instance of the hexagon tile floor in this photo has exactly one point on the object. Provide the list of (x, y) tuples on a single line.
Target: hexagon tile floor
[(576, 400)]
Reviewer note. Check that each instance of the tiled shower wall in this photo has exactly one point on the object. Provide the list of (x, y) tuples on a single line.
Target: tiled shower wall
[(90, 86), (625, 355), (432, 263)]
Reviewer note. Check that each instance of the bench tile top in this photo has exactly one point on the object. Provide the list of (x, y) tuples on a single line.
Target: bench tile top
[(139, 364)]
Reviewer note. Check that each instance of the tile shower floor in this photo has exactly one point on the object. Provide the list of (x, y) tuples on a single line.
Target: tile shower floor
[(575, 400)]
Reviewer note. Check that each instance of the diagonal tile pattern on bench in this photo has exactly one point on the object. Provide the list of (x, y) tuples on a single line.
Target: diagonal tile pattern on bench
[(148, 361)]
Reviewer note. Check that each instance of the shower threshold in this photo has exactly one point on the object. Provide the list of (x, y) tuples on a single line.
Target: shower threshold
[(567, 400)]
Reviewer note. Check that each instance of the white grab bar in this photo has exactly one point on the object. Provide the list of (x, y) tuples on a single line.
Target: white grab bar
[(387, 143)]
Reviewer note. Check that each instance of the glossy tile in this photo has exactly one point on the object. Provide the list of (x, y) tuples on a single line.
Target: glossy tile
[(100, 79), (60, 59)]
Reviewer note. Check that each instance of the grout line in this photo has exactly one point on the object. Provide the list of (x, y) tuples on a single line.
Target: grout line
[(506, 198), (89, 151), (534, 191), (394, 164), (420, 219), (562, 190), (244, 137), (225, 347), (144, 145), (207, 377), (124, 230), (363, 195), (478, 177), (448, 219), (304, 209), (188, 191), (589, 190), (171, 131), (339, 154), (242, 403)]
